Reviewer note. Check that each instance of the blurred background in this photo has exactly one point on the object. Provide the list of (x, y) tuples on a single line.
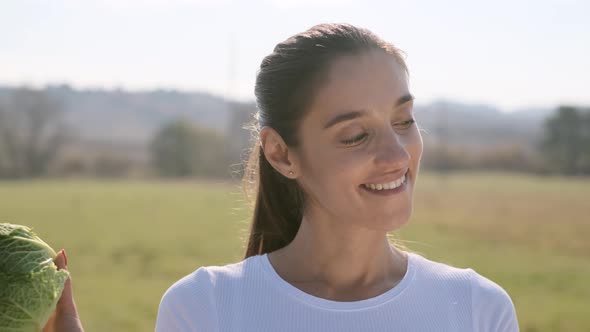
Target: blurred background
[(121, 139)]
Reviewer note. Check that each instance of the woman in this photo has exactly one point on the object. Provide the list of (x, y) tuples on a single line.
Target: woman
[(334, 167)]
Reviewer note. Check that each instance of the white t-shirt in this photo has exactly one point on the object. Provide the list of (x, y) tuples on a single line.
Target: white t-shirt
[(251, 296)]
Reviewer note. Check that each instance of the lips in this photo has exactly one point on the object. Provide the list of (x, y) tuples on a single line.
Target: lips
[(386, 186), (389, 182)]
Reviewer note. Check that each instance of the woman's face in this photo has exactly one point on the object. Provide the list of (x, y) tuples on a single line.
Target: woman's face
[(357, 133)]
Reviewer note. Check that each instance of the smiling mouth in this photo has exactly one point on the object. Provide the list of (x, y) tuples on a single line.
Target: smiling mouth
[(388, 185)]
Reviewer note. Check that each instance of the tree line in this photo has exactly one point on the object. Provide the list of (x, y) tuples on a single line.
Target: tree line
[(33, 132)]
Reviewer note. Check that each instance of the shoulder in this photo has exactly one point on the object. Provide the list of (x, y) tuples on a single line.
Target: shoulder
[(193, 299), (187, 304), (486, 290), (203, 281), (481, 287), (492, 307), (434, 272), (194, 285)]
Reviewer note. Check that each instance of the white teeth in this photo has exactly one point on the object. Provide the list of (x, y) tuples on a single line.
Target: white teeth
[(400, 181), (389, 185)]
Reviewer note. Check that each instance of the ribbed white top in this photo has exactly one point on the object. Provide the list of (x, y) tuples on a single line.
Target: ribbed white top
[(283, 286), (251, 296)]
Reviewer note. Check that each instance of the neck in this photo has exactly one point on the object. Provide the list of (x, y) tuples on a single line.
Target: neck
[(340, 257)]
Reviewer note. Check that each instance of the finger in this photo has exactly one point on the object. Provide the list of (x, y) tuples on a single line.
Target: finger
[(66, 302), (50, 324), (60, 260)]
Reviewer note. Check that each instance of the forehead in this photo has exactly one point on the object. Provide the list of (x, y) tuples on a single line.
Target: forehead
[(371, 80)]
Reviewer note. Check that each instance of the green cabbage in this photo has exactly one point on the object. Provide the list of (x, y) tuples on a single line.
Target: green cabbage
[(30, 284)]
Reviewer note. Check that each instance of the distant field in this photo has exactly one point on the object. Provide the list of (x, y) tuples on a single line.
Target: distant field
[(128, 241)]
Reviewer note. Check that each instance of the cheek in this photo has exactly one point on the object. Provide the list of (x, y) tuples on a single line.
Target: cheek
[(414, 146), (330, 169), (345, 165)]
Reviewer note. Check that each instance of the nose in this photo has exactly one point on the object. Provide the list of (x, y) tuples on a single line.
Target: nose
[(391, 152)]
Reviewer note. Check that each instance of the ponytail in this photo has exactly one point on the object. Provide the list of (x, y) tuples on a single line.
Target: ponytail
[(278, 206)]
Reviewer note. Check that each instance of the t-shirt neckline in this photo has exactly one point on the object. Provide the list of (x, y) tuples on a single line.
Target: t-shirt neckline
[(378, 300)]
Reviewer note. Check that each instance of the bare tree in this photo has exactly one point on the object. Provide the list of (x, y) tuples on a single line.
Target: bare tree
[(31, 133)]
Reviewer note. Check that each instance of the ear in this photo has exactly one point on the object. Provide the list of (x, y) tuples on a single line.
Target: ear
[(278, 153)]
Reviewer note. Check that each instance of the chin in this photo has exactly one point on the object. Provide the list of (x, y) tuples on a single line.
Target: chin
[(396, 224), (393, 221)]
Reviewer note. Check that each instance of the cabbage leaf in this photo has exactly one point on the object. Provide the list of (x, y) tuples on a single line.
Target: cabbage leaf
[(30, 283)]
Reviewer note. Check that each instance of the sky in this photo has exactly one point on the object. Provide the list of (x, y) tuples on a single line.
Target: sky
[(507, 54)]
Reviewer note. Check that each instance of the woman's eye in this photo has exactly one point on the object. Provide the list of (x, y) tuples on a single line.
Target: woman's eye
[(406, 124), (355, 139)]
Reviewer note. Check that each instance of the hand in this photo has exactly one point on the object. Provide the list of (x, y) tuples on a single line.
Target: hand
[(65, 317)]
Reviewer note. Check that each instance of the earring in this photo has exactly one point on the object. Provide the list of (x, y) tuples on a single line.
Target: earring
[(291, 173)]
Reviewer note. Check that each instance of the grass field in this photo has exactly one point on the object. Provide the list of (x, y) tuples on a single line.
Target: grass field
[(128, 241)]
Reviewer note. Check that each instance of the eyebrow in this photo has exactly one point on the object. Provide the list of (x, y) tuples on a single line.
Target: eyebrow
[(359, 113)]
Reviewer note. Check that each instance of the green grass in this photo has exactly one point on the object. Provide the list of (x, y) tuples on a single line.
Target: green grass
[(128, 241)]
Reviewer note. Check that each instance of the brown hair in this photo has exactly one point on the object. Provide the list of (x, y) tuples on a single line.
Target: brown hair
[(285, 86)]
